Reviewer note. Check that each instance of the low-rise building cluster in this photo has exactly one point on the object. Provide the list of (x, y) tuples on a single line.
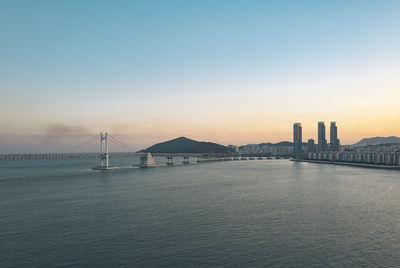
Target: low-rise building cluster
[(278, 149), (373, 158), (383, 148)]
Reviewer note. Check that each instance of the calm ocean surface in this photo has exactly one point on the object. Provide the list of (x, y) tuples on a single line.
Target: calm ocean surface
[(226, 214)]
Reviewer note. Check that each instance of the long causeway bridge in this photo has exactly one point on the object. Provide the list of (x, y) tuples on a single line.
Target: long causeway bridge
[(104, 155), (91, 155)]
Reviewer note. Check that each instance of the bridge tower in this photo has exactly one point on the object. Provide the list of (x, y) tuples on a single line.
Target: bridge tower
[(104, 155)]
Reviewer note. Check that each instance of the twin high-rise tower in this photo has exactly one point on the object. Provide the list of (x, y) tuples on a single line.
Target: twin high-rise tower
[(322, 143), (322, 146), (335, 143), (297, 138)]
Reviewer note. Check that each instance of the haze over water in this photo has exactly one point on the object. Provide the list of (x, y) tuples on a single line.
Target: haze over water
[(226, 214)]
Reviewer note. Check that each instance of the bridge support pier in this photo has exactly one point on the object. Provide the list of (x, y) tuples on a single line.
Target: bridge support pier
[(185, 160), (147, 161), (169, 161)]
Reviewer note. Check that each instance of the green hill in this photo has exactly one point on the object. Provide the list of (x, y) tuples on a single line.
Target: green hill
[(377, 140), (185, 145)]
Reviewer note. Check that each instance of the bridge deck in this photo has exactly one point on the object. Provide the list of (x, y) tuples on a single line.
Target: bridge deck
[(54, 156)]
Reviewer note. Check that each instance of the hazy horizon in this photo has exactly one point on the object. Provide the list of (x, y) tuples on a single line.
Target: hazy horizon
[(56, 143), (230, 72)]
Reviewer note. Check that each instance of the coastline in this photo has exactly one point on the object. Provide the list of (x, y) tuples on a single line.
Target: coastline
[(347, 164)]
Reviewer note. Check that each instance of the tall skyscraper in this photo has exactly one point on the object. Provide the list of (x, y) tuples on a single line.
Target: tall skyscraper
[(297, 138), (321, 137), (334, 138)]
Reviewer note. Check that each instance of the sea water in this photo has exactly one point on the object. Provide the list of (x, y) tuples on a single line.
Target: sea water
[(273, 213)]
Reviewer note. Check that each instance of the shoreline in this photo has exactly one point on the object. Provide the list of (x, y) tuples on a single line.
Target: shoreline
[(347, 164)]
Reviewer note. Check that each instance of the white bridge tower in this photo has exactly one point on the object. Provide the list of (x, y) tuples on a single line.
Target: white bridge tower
[(104, 155)]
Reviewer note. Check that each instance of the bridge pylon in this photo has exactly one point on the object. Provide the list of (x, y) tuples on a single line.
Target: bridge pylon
[(104, 155)]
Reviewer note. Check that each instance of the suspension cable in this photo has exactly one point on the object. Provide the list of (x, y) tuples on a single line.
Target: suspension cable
[(121, 144), (86, 143)]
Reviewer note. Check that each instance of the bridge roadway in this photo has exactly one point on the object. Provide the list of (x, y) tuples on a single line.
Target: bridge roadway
[(54, 156)]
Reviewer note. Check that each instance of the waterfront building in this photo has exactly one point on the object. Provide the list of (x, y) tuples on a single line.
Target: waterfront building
[(322, 146), (386, 159), (383, 148), (310, 145), (297, 138), (334, 143), (249, 148), (281, 148), (234, 147)]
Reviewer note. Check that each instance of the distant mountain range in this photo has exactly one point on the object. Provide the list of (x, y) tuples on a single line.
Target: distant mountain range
[(363, 142), (377, 140), (282, 143), (185, 145)]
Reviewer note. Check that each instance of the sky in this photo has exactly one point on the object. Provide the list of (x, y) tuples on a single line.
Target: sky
[(232, 72)]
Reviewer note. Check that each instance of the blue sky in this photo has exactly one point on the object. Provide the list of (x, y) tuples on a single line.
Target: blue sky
[(226, 71)]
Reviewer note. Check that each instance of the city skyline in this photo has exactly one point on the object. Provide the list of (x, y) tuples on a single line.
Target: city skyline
[(226, 72), (322, 145)]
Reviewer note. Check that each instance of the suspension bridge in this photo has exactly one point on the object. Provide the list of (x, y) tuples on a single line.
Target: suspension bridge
[(85, 150)]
